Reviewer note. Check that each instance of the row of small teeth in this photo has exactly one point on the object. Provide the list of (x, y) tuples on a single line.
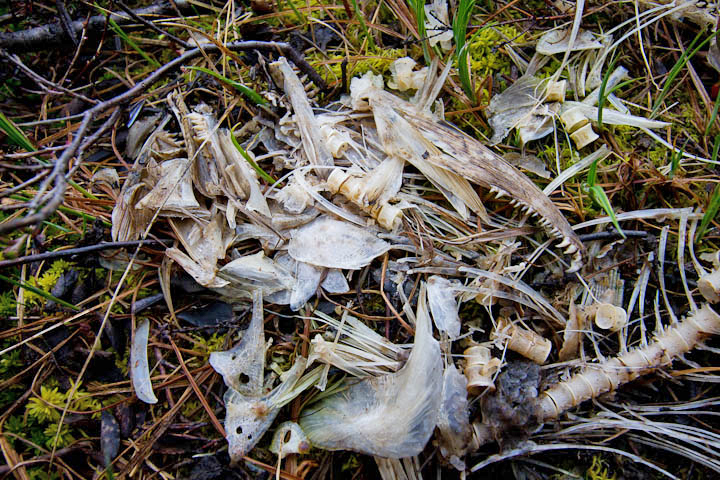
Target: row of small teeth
[(571, 248), (498, 192)]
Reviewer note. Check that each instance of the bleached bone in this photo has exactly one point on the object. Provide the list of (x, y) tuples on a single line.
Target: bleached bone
[(523, 341), (480, 367), (596, 380), (709, 286), (584, 136)]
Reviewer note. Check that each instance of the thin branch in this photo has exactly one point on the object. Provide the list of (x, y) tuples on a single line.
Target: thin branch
[(151, 25), (53, 35), (77, 251), (40, 80)]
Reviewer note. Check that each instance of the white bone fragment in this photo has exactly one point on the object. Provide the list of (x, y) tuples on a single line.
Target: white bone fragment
[(584, 136), (523, 341), (607, 316), (555, 91), (454, 430), (594, 380), (441, 294), (480, 368), (557, 41), (403, 76), (242, 366), (436, 24), (391, 416), (139, 367), (573, 119), (334, 244)]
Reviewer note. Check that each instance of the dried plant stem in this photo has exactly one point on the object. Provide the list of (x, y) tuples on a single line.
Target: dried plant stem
[(608, 376)]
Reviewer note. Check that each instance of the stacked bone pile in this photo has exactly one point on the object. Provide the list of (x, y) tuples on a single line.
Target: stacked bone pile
[(381, 185)]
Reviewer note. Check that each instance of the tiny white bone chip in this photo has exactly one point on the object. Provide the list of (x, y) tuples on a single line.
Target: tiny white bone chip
[(335, 244), (558, 41)]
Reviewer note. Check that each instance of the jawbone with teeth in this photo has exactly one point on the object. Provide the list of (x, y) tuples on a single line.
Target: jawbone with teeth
[(412, 128)]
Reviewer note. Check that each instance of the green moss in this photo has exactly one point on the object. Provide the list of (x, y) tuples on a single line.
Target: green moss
[(46, 282), (8, 306), (598, 470), (47, 407), (377, 62), (486, 58)]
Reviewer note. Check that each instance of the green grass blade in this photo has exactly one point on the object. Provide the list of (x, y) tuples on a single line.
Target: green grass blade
[(710, 214), (598, 195), (601, 92), (459, 26), (682, 61), (267, 177), (15, 135), (418, 8), (713, 115), (245, 90), (116, 28), (300, 18), (361, 19), (38, 291)]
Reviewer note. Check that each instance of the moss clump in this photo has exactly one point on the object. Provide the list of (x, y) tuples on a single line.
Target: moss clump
[(378, 62), (46, 282), (486, 57)]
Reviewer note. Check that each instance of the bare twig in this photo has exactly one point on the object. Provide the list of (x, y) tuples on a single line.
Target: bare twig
[(43, 82), (151, 25), (53, 35), (77, 251), (66, 21)]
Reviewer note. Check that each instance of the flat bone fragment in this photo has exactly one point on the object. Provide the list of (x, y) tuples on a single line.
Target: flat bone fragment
[(335, 282), (404, 77), (402, 140), (173, 194), (249, 417), (557, 41), (454, 430), (251, 272), (436, 22), (391, 416), (242, 366), (139, 367), (595, 380), (312, 140), (334, 244), (441, 294), (307, 280)]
